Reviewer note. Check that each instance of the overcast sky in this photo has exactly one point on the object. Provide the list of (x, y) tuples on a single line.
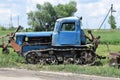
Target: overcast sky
[(92, 11)]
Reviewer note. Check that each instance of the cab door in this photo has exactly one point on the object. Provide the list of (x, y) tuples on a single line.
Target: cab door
[(68, 34)]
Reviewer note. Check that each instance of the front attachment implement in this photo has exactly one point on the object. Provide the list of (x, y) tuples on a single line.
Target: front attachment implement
[(6, 40)]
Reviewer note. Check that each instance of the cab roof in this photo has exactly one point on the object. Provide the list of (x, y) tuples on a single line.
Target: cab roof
[(68, 19)]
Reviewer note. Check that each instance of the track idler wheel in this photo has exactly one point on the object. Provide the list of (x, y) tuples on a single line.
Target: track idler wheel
[(85, 58), (32, 57)]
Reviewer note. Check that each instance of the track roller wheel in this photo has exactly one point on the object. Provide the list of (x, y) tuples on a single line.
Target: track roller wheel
[(31, 57), (52, 60), (77, 59)]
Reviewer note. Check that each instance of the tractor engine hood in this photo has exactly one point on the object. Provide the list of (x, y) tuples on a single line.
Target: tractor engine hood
[(34, 34)]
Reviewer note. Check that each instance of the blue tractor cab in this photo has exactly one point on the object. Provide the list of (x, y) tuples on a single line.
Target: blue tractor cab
[(68, 32)]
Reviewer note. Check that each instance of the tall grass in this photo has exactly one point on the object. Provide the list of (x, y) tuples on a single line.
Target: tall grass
[(10, 60)]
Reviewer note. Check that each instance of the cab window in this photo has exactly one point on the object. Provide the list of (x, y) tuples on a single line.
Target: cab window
[(68, 27)]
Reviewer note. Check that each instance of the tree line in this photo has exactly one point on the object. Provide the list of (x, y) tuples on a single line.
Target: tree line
[(47, 14)]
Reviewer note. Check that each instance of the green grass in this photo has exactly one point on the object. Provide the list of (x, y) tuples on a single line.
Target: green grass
[(10, 60), (91, 70), (5, 32), (108, 36)]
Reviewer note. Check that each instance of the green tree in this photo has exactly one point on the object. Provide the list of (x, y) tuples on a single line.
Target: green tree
[(112, 22), (65, 10), (47, 13)]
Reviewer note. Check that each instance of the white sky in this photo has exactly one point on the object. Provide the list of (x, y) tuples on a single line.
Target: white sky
[(92, 11)]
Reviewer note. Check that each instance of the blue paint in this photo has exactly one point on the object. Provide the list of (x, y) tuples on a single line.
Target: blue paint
[(34, 34), (19, 39), (68, 38), (29, 48)]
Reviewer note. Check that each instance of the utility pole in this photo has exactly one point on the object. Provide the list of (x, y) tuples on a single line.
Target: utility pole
[(111, 10), (111, 15), (11, 24), (18, 20)]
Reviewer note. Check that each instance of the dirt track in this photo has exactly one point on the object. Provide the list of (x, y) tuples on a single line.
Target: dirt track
[(23, 74)]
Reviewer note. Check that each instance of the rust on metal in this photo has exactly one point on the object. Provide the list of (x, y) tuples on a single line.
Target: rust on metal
[(9, 39), (15, 46), (114, 55)]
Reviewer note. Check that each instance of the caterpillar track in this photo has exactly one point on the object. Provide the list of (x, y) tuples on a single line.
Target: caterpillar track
[(78, 55)]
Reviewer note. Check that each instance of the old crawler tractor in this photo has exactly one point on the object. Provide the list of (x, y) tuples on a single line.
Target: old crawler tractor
[(66, 44)]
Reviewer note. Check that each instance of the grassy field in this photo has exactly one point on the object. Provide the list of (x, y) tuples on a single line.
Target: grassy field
[(15, 61), (108, 36)]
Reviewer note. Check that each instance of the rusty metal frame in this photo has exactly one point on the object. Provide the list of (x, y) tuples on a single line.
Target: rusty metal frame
[(15, 46)]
